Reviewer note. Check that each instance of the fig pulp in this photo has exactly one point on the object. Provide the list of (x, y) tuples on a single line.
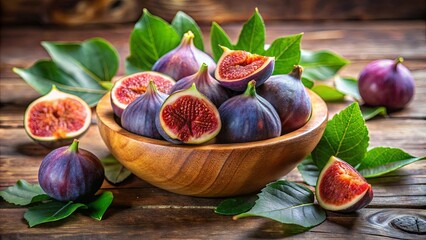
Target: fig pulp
[(205, 84), (289, 97), (184, 60), (248, 117), (56, 118), (139, 116), (70, 173), (128, 88), (342, 188), (386, 83), (189, 117), (236, 68)]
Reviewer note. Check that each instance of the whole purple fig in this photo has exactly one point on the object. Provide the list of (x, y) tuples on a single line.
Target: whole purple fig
[(70, 173), (289, 97), (184, 60), (139, 116), (386, 83), (205, 84), (248, 117)]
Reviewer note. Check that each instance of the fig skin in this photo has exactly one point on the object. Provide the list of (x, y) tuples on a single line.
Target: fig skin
[(353, 179), (205, 84), (70, 174), (260, 75), (248, 117), (60, 137), (386, 83), (139, 116), (188, 118), (289, 97), (184, 60)]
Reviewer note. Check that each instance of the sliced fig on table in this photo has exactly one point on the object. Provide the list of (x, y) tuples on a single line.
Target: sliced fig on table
[(289, 97), (188, 117), (236, 68), (184, 60), (56, 118), (139, 116), (342, 188), (128, 88), (248, 117), (205, 84)]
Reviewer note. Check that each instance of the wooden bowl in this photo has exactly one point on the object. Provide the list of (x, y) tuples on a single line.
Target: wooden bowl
[(214, 170)]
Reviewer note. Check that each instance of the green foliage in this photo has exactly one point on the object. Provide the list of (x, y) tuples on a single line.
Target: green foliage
[(114, 171), (24, 193)]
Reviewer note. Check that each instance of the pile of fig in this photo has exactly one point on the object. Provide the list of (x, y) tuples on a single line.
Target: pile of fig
[(181, 100)]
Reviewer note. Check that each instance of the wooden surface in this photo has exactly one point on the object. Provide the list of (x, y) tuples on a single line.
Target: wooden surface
[(142, 211)]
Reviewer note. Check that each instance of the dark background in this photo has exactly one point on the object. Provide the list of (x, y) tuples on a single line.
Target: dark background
[(77, 12)]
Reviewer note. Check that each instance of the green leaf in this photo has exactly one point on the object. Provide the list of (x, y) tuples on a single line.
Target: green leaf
[(218, 37), (151, 38), (234, 206), (289, 203), (183, 23), (252, 35), (24, 193), (286, 51), (322, 64), (114, 171), (50, 212), (309, 171), (381, 160), (328, 93), (45, 73), (345, 136), (89, 63), (98, 207), (348, 86), (370, 112), (308, 82)]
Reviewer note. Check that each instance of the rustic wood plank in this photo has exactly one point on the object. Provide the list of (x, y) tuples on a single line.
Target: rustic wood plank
[(184, 223)]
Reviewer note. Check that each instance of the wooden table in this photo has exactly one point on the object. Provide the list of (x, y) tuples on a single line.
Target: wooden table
[(142, 211)]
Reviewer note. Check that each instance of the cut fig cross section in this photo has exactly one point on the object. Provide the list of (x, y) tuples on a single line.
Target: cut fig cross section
[(188, 117)]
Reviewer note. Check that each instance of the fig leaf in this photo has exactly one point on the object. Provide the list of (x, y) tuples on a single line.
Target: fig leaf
[(345, 136), (182, 23), (328, 93), (348, 86), (309, 171), (151, 38), (252, 35), (286, 51), (370, 112), (114, 171), (50, 212), (234, 206), (288, 203), (381, 160), (322, 64), (24, 193), (218, 38), (97, 208), (45, 73)]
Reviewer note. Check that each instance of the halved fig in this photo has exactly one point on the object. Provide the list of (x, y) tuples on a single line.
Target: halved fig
[(128, 88), (188, 117), (342, 188), (56, 118), (236, 68)]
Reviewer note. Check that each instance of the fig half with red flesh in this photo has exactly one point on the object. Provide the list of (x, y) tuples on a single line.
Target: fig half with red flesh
[(128, 88), (342, 188), (236, 68), (188, 117), (56, 118)]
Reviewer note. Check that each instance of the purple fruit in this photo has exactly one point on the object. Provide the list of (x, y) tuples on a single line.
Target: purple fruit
[(70, 174), (205, 84), (289, 97), (139, 116), (248, 117), (184, 60), (386, 83), (236, 68)]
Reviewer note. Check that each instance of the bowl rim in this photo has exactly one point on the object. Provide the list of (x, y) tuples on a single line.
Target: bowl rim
[(319, 116)]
